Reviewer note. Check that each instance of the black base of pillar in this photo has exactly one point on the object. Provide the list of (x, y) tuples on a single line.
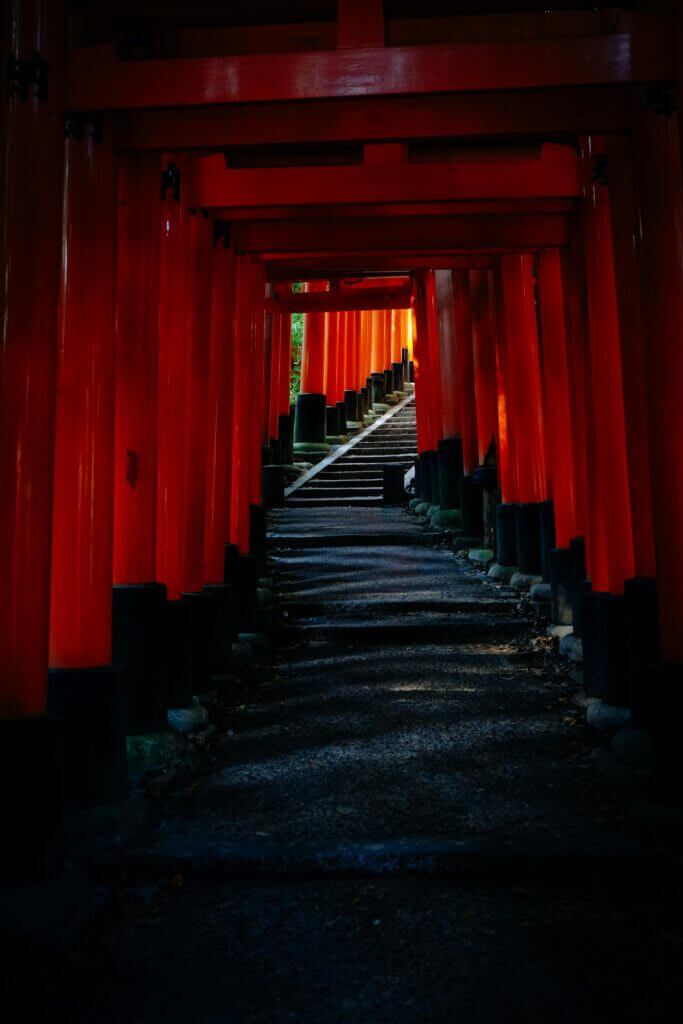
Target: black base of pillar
[(272, 485), (665, 717), (405, 363), (266, 455), (277, 451), (258, 536), (202, 613), (351, 406), (309, 420), (223, 625), (604, 652), (332, 421), (378, 387), (393, 491), (91, 703), (285, 433), (388, 382), (230, 563), (177, 646), (547, 515), (411, 372), (397, 370), (246, 584), (425, 475), (449, 460), (341, 411), (528, 537), (433, 465), (641, 637), (31, 800), (471, 508), (580, 586), (506, 534), (365, 392), (561, 588), (137, 611)]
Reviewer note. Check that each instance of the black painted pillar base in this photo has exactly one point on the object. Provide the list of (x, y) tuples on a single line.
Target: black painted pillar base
[(471, 508), (285, 433), (397, 370), (641, 637), (177, 647), (434, 476), (411, 372), (31, 800), (378, 388), (449, 461), (257, 536), (223, 625), (605, 672), (341, 411), (547, 515), (388, 382), (309, 419), (561, 587), (506, 534), (276, 448), (137, 612), (246, 585), (405, 364), (486, 477), (201, 622), (91, 703), (230, 563), (393, 491), (665, 718), (365, 394), (425, 459), (580, 585), (332, 421), (352, 406), (528, 537), (266, 455), (272, 486)]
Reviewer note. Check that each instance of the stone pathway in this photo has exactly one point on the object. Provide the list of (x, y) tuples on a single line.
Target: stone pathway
[(406, 820)]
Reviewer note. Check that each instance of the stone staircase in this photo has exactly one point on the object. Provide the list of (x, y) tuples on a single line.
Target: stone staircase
[(352, 475)]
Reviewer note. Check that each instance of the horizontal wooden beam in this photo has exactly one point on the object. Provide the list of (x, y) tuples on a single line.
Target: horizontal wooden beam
[(440, 209), (341, 301), (95, 80), (534, 112), (323, 265), (501, 233), (554, 174)]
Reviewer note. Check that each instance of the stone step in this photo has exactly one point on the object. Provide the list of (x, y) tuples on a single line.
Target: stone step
[(422, 627), (295, 502)]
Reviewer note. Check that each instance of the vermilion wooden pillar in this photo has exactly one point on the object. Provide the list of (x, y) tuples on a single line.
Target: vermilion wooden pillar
[(333, 341), (286, 365), (462, 304), (378, 326), (343, 328), (276, 368), (174, 347), (220, 404), (557, 396), (428, 412), (484, 359), (507, 464), (396, 335), (313, 347), (633, 357), (522, 372), (659, 249), (574, 276), (137, 344), (32, 155), (81, 595), (450, 417), (610, 494), (434, 361), (199, 275)]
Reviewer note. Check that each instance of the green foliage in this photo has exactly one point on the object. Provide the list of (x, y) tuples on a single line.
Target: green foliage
[(297, 339)]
